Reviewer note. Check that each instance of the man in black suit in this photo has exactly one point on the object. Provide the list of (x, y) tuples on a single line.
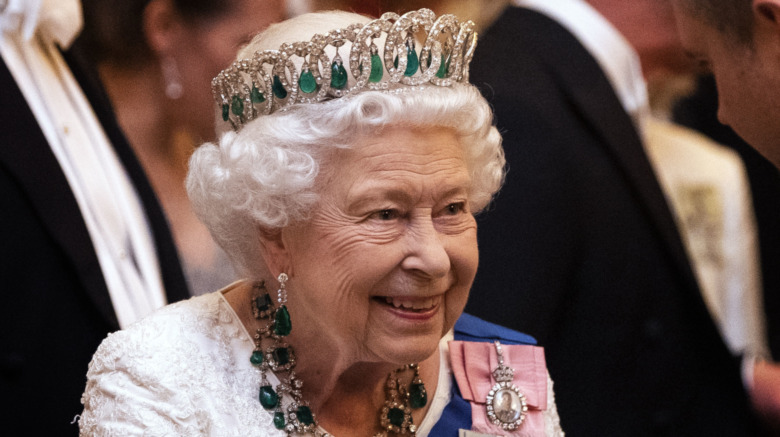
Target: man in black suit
[(581, 249), (737, 40), (56, 305)]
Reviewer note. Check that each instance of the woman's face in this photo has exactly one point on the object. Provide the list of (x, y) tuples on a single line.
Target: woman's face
[(208, 47), (383, 268)]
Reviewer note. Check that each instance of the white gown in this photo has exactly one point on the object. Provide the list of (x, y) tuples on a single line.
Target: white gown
[(185, 371)]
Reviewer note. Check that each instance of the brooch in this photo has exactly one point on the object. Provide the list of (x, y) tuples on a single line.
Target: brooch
[(505, 403)]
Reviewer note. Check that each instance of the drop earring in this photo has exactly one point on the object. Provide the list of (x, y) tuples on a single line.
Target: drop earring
[(282, 323), (171, 78)]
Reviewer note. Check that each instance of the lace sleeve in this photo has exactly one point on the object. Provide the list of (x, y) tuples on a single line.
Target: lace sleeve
[(128, 393), (552, 422)]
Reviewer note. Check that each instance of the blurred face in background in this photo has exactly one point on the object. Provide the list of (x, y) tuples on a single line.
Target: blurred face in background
[(747, 74), (205, 46)]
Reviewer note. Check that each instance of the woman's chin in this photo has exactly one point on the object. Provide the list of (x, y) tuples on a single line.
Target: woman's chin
[(409, 350)]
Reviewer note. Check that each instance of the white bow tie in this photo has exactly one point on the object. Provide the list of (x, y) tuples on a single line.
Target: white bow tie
[(56, 21)]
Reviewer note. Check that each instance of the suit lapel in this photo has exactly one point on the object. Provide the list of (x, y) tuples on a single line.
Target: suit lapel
[(25, 152), (593, 97)]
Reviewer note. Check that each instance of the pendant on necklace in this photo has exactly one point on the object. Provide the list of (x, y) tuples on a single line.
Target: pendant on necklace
[(505, 403)]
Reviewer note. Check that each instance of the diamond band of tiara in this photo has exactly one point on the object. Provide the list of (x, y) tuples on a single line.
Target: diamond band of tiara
[(270, 80)]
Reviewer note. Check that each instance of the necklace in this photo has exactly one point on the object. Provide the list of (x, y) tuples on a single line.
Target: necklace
[(294, 416)]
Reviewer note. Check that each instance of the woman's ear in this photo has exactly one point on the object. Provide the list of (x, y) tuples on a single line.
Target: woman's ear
[(275, 251), (768, 10), (162, 26)]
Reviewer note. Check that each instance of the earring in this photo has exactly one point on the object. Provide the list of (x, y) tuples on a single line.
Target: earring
[(282, 323), (172, 78), (273, 353)]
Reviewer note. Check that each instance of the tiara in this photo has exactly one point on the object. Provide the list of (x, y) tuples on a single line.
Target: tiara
[(270, 81)]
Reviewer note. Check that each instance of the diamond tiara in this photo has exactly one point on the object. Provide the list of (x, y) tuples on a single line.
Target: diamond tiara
[(270, 81)]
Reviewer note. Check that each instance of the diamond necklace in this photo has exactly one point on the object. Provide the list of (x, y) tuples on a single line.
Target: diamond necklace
[(273, 353)]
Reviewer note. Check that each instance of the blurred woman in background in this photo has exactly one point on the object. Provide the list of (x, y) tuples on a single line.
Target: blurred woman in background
[(156, 60)]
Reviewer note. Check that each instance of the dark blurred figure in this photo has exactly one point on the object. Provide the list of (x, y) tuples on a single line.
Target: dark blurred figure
[(699, 111), (582, 250), (737, 40), (157, 59), (85, 245)]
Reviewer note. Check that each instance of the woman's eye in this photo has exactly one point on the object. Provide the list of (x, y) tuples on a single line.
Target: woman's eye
[(455, 208), (386, 214)]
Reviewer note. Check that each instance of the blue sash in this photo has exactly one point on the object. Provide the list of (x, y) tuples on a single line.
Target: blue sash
[(457, 414)]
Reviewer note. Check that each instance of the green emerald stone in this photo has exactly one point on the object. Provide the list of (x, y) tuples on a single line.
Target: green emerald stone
[(338, 76), (396, 416), (412, 63), (237, 105), (279, 420), (376, 69), (256, 95), (268, 397), (444, 67), (307, 83), (281, 356), (256, 358), (418, 397), (263, 303), (304, 415), (225, 112), (282, 323), (278, 88)]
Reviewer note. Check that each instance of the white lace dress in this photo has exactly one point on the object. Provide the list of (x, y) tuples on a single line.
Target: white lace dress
[(185, 371)]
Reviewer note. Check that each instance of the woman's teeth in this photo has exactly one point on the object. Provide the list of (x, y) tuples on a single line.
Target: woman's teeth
[(410, 304)]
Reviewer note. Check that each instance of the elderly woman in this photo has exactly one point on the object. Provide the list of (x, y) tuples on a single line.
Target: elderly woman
[(345, 192)]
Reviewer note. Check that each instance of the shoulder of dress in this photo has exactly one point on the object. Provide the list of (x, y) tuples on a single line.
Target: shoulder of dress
[(472, 328), (187, 321)]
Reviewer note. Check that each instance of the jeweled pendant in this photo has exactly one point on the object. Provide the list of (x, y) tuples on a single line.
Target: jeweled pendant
[(237, 105), (418, 397), (395, 416), (268, 397), (281, 356), (376, 69), (256, 358), (338, 75), (307, 83), (256, 95), (263, 303), (278, 88), (279, 420), (225, 112), (282, 323), (304, 415)]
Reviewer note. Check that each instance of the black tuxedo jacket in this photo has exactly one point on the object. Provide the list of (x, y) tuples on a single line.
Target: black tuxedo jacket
[(580, 249), (55, 304)]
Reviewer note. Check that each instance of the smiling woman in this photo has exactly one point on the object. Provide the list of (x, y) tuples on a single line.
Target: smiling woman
[(354, 197)]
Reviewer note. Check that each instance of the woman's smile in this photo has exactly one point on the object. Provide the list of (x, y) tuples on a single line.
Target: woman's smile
[(411, 303)]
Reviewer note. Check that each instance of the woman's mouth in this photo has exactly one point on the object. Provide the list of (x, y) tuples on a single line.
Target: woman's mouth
[(409, 303)]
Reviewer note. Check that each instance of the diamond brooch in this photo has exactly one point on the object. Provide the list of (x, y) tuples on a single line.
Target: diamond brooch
[(505, 403)]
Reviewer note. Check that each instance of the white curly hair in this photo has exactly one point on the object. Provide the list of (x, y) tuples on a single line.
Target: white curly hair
[(265, 176)]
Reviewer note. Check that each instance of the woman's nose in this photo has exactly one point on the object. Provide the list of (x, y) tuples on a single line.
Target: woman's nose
[(426, 252)]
